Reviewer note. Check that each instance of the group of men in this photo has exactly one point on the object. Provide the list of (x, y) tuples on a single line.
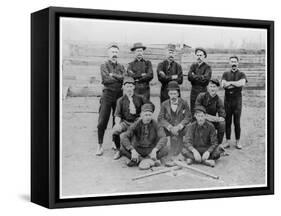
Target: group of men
[(192, 134)]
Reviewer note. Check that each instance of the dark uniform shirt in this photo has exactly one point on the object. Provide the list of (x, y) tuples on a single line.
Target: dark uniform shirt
[(139, 67), (203, 138), (142, 135), (213, 105), (233, 76), (169, 69), (115, 81), (202, 74), (167, 117), (123, 111)]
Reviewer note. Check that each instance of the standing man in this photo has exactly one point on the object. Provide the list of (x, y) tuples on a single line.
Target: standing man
[(199, 75), (233, 82), (144, 139), (141, 70), (112, 78), (200, 141), (127, 111), (214, 107), (173, 117), (169, 70)]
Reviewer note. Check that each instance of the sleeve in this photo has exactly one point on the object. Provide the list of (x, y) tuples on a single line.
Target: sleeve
[(161, 117), (149, 73), (220, 108), (106, 78), (180, 74), (127, 137), (190, 75), (162, 139), (187, 115), (243, 76), (205, 78), (118, 76), (130, 73), (214, 140), (118, 110), (188, 138), (163, 79), (223, 76)]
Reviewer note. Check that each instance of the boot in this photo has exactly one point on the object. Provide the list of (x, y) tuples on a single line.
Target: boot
[(99, 150)]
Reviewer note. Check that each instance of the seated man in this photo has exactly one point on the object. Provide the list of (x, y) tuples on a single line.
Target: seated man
[(200, 142), (173, 117), (127, 111), (215, 112), (144, 139)]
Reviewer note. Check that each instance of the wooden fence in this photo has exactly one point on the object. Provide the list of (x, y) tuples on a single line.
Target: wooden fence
[(81, 66)]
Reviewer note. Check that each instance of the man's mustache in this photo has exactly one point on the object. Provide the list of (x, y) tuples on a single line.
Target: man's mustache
[(114, 56), (234, 65)]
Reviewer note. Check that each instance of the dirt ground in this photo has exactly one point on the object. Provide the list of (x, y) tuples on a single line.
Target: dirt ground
[(83, 173)]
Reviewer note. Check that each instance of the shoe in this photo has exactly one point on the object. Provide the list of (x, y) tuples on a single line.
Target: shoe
[(132, 163), (99, 151), (210, 163), (238, 145), (113, 146), (157, 163), (226, 144), (117, 155), (189, 161), (170, 163)]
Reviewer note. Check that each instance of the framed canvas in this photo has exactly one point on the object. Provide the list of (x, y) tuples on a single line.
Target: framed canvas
[(132, 107)]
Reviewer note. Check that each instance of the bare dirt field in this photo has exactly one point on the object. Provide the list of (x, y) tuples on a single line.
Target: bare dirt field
[(83, 173)]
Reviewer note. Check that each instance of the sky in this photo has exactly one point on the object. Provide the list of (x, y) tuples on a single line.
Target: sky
[(106, 31)]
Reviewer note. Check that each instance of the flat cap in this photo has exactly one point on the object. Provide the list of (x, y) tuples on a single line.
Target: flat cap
[(171, 47), (113, 44), (173, 85), (215, 81), (200, 109), (201, 49), (128, 79), (148, 107), (138, 45)]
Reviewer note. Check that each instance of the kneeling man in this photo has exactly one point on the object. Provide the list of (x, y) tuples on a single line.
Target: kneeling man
[(127, 112), (144, 139), (200, 142), (174, 116)]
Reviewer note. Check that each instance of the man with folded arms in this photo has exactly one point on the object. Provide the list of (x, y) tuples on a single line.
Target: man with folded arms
[(112, 74), (127, 111), (200, 142), (199, 75), (143, 140), (141, 70), (169, 70)]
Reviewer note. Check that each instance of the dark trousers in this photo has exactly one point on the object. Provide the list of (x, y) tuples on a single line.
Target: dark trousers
[(220, 128), (164, 94), (215, 155), (195, 91), (176, 142), (233, 109), (143, 90), (107, 104), (144, 152)]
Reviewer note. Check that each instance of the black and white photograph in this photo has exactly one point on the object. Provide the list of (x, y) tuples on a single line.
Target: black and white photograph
[(149, 107)]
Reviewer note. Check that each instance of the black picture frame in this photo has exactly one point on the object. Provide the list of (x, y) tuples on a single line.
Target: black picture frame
[(45, 106)]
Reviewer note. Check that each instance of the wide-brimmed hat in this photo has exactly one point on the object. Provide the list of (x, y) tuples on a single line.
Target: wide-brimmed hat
[(138, 45), (173, 85), (128, 79), (200, 108), (148, 107), (215, 81), (201, 49)]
